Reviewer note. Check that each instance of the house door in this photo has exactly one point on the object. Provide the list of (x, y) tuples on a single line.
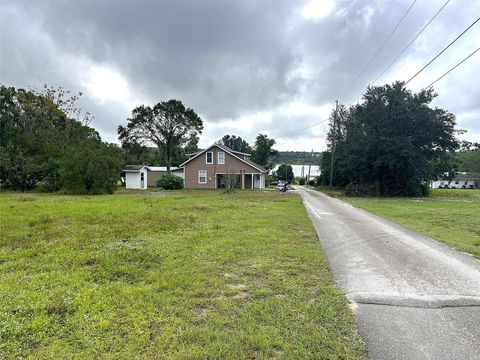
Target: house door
[(256, 182)]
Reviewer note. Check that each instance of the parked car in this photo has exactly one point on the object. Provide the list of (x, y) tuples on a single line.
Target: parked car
[(280, 187)]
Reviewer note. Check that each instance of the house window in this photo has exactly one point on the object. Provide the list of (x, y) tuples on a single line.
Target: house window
[(209, 157), (202, 176), (221, 157), (141, 177)]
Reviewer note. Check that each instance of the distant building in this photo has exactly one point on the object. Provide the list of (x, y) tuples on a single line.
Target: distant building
[(461, 180)]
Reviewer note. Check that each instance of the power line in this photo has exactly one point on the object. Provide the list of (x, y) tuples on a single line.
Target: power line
[(441, 52), (305, 128), (404, 49), (411, 42), (379, 49), (453, 68)]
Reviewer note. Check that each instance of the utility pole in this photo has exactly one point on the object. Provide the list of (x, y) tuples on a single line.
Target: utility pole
[(333, 142), (310, 166)]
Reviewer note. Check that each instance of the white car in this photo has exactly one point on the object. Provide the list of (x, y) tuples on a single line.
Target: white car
[(280, 187)]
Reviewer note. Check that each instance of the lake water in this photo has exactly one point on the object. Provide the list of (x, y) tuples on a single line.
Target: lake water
[(297, 170)]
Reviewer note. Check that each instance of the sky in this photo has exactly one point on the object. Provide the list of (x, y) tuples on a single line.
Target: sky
[(246, 67)]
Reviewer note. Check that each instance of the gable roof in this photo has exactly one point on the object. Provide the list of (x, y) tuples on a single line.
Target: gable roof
[(133, 168), (231, 152)]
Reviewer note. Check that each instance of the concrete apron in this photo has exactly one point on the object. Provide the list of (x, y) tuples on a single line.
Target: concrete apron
[(413, 297)]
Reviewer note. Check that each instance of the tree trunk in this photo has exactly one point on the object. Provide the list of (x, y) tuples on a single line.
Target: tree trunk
[(168, 155)]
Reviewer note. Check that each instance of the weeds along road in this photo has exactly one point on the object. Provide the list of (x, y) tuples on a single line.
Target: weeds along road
[(413, 297)]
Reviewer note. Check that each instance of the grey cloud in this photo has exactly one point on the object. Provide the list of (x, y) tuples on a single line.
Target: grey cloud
[(224, 59)]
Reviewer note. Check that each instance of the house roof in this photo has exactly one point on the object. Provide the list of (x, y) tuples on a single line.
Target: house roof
[(226, 148), (138, 168), (255, 165), (467, 176), (161, 168), (231, 152)]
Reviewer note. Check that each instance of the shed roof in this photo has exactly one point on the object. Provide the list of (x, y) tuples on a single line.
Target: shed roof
[(137, 168), (133, 167)]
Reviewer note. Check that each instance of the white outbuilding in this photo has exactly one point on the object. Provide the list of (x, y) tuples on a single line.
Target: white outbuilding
[(143, 176)]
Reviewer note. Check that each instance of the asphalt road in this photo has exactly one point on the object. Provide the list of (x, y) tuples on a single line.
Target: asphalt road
[(413, 297)]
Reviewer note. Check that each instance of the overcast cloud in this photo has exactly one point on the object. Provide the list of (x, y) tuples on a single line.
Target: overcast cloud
[(244, 67)]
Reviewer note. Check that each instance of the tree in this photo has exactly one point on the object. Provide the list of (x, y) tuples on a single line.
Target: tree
[(41, 144), (285, 173), (230, 180), (468, 160), (393, 141), (263, 152), (168, 125), (235, 143)]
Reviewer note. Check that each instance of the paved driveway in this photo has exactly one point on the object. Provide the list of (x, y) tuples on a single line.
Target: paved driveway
[(413, 297)]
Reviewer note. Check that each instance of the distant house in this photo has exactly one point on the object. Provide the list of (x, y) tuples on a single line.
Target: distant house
[(210, 168), (461, 180), (142, 176)]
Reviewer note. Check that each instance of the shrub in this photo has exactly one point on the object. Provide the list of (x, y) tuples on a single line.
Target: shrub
[(170, 182), (355, 189), (374, 189), (301, 181)]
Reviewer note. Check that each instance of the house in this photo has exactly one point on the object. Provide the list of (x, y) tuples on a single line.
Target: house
[(142, 176), (461, 180), (213, 167)]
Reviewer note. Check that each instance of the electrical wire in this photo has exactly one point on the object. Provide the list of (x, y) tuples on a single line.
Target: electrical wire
[(403, 51), (441, 52), (379, 49), (453, 68), (410, 43), (299, 130)]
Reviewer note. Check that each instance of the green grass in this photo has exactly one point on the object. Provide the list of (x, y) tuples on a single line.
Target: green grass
[(448, 215), (178, 275)]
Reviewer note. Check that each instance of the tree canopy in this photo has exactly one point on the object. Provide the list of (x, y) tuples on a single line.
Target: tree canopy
[(235, 143), (393, 141), (168, 125), (263, 151), (45, 142), (284, 173)]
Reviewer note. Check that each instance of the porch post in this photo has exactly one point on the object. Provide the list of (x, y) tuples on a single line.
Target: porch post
[(243, 178)]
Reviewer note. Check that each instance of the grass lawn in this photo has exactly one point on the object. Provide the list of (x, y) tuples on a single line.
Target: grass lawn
[(190, 274), (448, 215)]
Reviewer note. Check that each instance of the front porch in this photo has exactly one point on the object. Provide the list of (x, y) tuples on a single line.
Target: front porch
[(240, 181)]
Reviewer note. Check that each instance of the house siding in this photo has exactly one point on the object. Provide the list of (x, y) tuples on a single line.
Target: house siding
[(232, 164), (153, 176)]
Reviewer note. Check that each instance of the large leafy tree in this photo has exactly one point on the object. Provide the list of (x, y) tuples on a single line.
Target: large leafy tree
[(285, 173), (394, 140), (40, 134), (168, 125), (263, 151), (468, 160), (235, 143)]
